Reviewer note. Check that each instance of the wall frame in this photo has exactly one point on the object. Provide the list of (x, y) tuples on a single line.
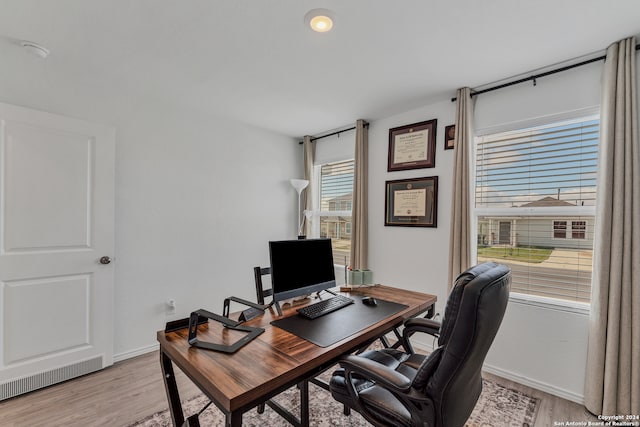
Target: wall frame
[(411, 202), (412, 146), (449, 137)]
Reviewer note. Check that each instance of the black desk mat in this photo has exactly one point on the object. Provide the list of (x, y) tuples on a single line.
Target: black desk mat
[(338, 325)]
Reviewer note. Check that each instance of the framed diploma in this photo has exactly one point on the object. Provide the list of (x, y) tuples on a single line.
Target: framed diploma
[(412, 146), (412, 202)]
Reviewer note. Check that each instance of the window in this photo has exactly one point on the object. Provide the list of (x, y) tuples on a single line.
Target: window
[(559, 229), (578, 229), (535, 195), (335, 201)]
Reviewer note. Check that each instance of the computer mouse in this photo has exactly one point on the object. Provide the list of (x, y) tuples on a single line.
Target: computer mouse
[(371, 301)]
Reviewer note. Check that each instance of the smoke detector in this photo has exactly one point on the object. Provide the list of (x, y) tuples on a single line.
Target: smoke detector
[(34, 48)]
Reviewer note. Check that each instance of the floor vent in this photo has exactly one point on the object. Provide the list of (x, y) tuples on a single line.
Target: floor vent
[(19, 386)]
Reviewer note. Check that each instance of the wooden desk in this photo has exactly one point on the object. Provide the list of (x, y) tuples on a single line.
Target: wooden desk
[(270, 364)]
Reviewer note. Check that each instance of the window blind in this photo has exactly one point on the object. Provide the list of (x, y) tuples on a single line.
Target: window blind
[(336, 184), (535, 206), (336, 198)]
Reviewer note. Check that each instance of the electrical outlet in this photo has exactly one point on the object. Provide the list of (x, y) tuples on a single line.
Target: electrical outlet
[(171, 306)]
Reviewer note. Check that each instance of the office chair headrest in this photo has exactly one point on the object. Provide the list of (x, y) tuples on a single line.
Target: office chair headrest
[(476, 281), (455, 297)]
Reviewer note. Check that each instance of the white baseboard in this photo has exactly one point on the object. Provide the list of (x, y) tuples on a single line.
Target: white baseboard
[(538, 385), (137, 352)]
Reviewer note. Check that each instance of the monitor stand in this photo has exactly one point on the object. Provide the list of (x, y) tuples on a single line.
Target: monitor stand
[(278, 309)]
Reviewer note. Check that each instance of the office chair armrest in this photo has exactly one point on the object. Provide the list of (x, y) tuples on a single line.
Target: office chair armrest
[(374, 371), (419, 324), (358, 370)]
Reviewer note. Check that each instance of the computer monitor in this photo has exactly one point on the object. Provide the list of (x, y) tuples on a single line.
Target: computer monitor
[(301, 267)]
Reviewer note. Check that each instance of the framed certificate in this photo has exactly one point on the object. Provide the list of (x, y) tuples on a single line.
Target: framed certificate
[(412, 202), (412, 146)]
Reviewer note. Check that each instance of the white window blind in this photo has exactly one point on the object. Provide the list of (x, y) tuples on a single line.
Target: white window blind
[(336, 198), (535, 206)]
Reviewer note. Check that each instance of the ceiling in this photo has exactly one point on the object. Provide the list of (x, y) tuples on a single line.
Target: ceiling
[(255, 61)]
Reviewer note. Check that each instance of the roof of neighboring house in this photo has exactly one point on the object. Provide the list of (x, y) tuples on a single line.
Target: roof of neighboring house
[(334, 219), (545, 202), (348, 196)]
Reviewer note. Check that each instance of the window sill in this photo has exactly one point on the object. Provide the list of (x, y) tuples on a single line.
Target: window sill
[(551, 303)]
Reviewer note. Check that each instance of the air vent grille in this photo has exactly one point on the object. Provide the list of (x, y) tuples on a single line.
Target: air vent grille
[(23, 385)]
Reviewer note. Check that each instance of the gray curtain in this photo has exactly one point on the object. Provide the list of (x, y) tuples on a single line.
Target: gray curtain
[(460, 234), (359, 211), (309, 150), (612, 384)]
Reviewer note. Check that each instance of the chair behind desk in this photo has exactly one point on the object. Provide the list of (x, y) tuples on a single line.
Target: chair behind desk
[(261, 293)]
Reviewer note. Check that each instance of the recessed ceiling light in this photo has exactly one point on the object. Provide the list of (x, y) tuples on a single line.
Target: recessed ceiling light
[(35, 48), (319, 20)]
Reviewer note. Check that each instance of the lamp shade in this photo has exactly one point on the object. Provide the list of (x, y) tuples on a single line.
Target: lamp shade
[(299, 184)]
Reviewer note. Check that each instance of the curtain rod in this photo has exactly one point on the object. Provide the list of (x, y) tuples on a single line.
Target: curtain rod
[(537, 76), (338, 132)]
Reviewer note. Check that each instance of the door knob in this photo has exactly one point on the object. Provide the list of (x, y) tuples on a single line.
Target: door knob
[(105, 260)]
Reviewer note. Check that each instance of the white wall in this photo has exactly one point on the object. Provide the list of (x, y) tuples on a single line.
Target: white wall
[(541, 346), (197, 198), (410, 257), (197, 202)]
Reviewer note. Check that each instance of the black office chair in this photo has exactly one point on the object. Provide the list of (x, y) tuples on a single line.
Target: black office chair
[(392, 388)]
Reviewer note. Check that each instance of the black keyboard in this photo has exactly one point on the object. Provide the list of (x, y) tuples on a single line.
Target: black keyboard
[(323, 307)]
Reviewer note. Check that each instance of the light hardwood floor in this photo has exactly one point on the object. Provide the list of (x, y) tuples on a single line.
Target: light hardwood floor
[(129, 390)]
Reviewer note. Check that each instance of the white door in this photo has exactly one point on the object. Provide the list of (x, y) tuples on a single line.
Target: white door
[(56, 222)]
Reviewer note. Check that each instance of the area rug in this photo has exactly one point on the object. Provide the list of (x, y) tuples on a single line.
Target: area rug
[(498, 406)]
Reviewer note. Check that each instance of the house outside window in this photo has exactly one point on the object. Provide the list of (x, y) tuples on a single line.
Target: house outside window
[(535, 193), (335, 199), (559, 229), (578, 230)]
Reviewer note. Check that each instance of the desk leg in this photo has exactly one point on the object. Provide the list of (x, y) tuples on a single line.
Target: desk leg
[(234, 419), (304, 403), (170, 386)]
